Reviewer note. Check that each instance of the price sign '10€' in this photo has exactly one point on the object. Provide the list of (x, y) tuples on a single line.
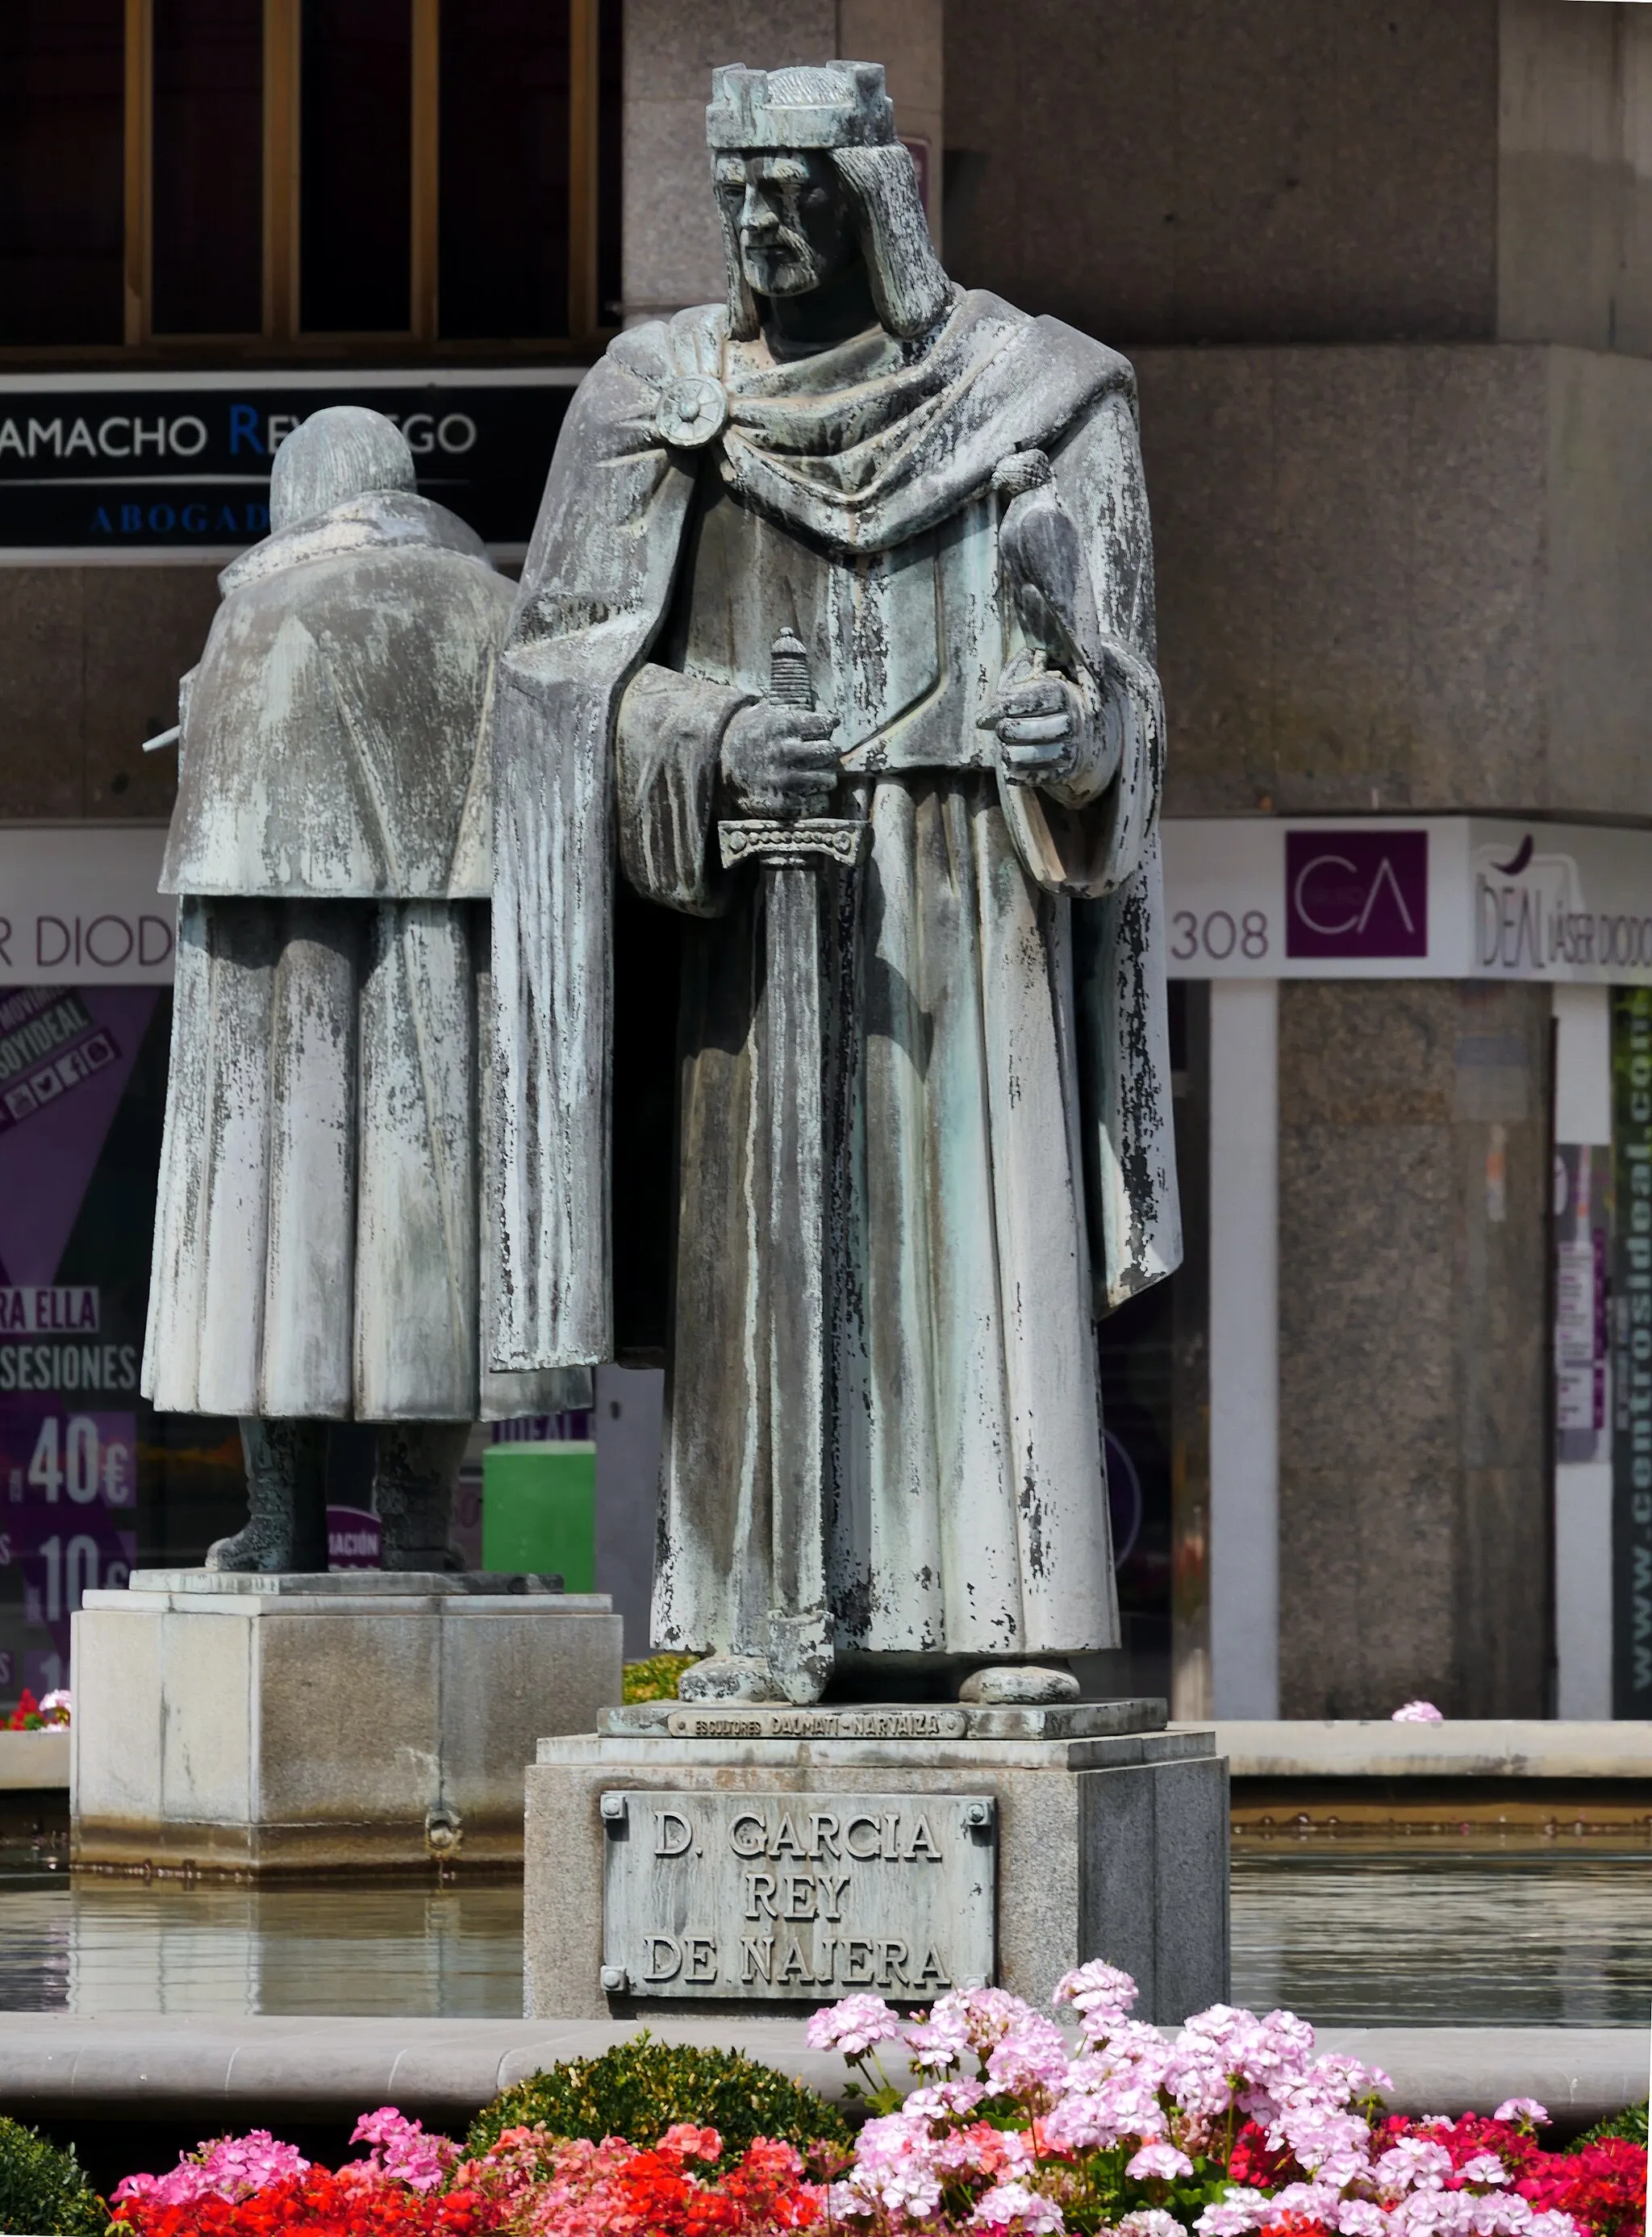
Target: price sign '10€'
[(67, 1525)]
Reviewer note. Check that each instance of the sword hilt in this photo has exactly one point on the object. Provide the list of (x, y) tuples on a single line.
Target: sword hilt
[(810, 839), (772, 840)]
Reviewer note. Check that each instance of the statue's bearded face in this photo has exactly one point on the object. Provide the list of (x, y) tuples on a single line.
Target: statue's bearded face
[(792, 218)]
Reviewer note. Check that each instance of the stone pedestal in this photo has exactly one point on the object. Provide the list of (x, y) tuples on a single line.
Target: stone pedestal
[(355, 1721), (762, 1860)]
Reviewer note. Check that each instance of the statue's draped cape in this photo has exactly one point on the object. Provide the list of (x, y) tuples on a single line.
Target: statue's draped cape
[(857, 450), (319, 1247), (334, 733)]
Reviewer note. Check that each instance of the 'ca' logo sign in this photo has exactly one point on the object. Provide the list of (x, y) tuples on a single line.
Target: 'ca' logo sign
[(1356, 893)]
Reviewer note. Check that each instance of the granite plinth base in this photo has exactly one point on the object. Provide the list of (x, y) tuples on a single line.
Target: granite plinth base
[(684, 1860), (355, 1721)]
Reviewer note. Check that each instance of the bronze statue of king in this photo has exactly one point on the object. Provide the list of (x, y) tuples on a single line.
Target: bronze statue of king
[(828, 711)]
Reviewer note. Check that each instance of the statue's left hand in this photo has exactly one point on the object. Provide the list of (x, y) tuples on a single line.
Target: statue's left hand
[(1041, 721)]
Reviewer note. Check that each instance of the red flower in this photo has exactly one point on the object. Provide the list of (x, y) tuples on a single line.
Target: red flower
[(320, 2204)]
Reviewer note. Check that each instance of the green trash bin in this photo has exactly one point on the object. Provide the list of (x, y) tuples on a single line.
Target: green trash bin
[(539, 1512)]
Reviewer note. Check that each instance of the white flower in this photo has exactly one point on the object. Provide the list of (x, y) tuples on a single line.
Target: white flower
[(853, 2026), (1012, 2205), (1485, 2166), (1160, 2163), (1522, 2109), (1413, 2164), (1152, 2221), (1241, 2211), (1102, 1993)]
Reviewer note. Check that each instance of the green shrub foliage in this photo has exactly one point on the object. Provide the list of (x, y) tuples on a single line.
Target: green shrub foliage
[(640, 2088), (655, 1679), (1629, 2123), (44, 2189)]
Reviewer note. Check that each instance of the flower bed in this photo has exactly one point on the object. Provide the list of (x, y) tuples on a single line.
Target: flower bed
[(52, 1714), (1233, 2126)]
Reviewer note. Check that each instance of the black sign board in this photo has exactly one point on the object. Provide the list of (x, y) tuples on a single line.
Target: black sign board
[(120, 463)]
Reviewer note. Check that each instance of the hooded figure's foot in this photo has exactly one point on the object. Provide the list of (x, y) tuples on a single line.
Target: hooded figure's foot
[(1020, 1684), (430, 1560), (250, 1549)]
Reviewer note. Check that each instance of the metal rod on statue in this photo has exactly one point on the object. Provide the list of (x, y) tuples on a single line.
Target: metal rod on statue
[(792, 850)]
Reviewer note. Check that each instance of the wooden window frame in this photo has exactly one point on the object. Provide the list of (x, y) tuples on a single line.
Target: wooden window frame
[(282, 338)]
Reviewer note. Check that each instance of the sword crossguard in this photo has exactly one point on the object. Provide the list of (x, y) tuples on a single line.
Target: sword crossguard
[(810, 839)]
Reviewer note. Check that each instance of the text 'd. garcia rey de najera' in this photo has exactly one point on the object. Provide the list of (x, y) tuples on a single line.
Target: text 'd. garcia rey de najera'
[(796, 1895)]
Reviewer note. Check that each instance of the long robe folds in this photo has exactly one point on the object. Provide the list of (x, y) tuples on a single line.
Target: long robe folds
[(996, 1088), (319, 1248)]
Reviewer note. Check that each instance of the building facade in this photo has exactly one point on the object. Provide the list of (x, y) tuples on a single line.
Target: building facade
[(1385, 273)]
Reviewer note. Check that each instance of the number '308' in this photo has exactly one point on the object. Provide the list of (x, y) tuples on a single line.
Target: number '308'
[(1218, 935)]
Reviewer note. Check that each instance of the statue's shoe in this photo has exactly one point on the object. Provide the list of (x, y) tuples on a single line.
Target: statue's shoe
[(249, 1549), (1003, 1683), (730, 1677)]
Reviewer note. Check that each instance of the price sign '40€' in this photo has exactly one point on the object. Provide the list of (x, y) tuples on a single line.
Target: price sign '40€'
[(67, 1525)]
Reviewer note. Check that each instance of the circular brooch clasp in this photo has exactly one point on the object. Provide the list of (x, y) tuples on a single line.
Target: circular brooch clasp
[(693, 411)]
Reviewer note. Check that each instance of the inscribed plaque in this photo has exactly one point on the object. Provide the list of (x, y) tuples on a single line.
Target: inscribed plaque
[(797, 1895)]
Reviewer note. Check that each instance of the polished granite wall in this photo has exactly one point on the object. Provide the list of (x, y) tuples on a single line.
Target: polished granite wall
[(89, 663), (1414, 1556), (1403, 578)]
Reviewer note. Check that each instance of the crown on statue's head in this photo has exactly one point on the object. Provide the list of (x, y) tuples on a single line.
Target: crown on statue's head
[(822, 105)]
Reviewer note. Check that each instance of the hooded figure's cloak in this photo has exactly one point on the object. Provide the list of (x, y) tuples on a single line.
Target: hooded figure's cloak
[(1000, 1143), (317, 1245)]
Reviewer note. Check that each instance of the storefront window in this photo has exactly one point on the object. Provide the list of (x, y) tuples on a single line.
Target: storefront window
[(288, 174), (505, 108), (206, 167), (94, 1483), (61, 191)]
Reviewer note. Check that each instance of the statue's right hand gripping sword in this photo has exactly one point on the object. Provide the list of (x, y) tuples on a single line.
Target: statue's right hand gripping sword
[(790, 850)]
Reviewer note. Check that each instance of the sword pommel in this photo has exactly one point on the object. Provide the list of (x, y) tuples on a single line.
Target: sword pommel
[(788, 672)]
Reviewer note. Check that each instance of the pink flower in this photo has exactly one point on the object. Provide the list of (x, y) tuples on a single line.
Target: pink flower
[(1151, 2221), (1360, 2217), (1485, 2166), (683, 2141), (1031, 2057), (845, 2203), (1308, 2201), (1418, 1712), (402, 2150), (1335, 2080), (894, 2166), (854, 2026), (1101, 1992), (1158, 2162), (937, 2099), (1090, 2120), (1241, 2211), (1525, 2110), (1012, 2206), (231, 2168), (1414, 2164), (1332, 2146)]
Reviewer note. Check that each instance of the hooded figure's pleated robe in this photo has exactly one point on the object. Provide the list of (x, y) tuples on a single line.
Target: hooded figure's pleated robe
[(319, 1246), (997, 1086)]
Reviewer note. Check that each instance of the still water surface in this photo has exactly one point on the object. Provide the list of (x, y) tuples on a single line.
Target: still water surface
[(1416, 1937)]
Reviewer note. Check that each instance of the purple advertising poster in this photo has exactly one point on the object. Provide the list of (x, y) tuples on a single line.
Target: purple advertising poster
[(71, 1293), (1356, 894)]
